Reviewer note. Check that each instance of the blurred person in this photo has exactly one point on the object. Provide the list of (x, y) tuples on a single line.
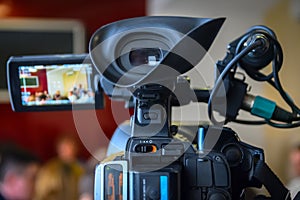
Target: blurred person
[(31, 98), (42, 99), (294, 161), (37, 95), (18, 170), (91, 96), (59, 178), (80, 90), (84, 98), (57, 95), (48, 97), (75, 90), (72, 97)]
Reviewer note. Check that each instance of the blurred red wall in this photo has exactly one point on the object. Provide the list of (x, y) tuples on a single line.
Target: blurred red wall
[(38, 131)]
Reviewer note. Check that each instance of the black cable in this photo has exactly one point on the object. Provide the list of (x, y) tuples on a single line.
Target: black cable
[(224, 73), (255, 74), (279, 87), (258, 76), (249, 122), (278, 125)]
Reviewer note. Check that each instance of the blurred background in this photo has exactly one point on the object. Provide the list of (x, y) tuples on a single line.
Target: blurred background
[(37, 130)]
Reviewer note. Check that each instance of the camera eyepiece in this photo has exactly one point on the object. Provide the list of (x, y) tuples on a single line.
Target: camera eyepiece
[(129, 52)]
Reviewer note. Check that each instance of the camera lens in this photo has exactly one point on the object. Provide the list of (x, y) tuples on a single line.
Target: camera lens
[(142, 56)]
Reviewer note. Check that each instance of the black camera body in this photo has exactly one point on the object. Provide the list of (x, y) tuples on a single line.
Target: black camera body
[(222, 172), (210, 163)]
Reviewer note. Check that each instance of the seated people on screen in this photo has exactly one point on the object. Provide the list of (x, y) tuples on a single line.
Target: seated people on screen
[(77, 94)]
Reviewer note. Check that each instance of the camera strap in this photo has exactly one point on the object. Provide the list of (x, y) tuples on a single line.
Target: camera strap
[(272, 183)]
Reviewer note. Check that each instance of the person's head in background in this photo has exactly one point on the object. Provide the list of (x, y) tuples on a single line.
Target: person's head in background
[(18, 170), (67, 148), (294, 158)]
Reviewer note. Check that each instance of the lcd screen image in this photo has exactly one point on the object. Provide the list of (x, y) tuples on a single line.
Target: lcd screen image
[(56, 84)]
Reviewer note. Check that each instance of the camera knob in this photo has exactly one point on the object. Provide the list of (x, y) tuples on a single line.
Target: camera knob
[(233, 154)]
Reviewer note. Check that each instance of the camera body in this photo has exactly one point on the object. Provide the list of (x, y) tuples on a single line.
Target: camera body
[(211, 163), (219, 173)]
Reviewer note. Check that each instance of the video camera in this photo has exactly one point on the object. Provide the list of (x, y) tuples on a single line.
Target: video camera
[(143, 60)]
